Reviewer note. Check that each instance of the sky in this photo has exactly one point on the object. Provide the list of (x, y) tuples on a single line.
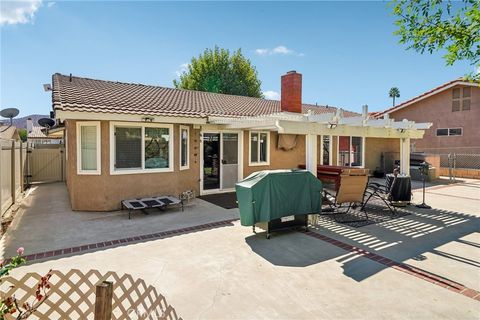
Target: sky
[(346, 51)]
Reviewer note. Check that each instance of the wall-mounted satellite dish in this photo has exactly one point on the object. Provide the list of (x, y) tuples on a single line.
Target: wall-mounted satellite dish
[(9, 113), (46, 122)]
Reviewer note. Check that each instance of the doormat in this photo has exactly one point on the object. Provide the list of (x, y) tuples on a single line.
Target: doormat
[(224, 200), (376, 212)]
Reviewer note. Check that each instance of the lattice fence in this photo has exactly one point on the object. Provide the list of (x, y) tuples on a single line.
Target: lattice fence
[(72, 296)]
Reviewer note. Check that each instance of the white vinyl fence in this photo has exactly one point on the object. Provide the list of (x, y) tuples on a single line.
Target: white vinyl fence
[(12, 168)]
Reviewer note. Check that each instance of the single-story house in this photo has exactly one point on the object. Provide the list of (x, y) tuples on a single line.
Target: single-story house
[(127, 140)]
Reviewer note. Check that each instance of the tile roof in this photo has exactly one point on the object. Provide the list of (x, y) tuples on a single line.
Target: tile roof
[(90, 95), (426, 94)]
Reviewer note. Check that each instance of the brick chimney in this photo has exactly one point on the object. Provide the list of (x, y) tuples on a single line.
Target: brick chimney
[(292, 92)]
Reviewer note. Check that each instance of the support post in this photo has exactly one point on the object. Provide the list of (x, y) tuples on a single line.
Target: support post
[(103, 301), (311, 153), (12, 167), (405, 156)]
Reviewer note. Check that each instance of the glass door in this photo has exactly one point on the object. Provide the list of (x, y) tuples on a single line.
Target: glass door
[(211, 161), (229, 169)]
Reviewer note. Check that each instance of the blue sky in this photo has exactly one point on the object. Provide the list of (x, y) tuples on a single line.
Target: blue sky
[(346, 51)]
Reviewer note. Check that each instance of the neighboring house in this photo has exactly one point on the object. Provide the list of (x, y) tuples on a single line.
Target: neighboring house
[(454, 110), (37, 136), (9, 133), (128, 140)]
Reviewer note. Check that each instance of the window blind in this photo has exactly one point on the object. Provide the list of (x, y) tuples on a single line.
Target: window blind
[(88, 147)]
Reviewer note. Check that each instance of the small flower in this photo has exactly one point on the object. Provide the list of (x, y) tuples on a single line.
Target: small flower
[(21, 250)]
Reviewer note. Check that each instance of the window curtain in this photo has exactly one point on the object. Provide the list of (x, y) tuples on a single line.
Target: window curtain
[(88, 147)]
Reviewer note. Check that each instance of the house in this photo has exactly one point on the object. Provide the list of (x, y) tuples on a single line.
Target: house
[(37, 135), (9, 133), (127, 140), (454, 110)]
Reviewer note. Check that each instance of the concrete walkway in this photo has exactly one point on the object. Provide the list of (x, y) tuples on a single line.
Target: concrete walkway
[(228, 272)]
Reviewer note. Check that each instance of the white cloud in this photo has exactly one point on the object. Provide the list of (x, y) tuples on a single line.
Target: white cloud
[(272, 95), (13, 12), (279, 50), (183, 68)]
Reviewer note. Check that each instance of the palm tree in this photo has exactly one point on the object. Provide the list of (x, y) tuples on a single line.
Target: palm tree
[(394, 93)]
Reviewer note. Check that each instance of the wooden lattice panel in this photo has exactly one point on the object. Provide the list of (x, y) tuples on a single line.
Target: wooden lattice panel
[(72, 296)]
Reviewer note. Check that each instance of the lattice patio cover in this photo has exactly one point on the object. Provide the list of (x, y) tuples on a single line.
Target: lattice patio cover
[(272, 194)]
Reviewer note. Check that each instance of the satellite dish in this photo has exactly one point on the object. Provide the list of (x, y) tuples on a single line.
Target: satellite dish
[(9, 113), (46, 122)]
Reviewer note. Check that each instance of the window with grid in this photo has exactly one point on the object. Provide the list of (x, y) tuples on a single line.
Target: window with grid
[(259, 143)]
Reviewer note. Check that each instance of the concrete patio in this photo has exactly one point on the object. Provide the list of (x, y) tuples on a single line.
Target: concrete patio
[(228, 272)]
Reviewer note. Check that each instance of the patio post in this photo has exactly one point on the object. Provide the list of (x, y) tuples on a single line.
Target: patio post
[(311, 153), (405, 156)]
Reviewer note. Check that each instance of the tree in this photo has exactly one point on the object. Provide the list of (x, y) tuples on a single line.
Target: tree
[(433, 25), (23, 134), (217, 71), (394, 93)]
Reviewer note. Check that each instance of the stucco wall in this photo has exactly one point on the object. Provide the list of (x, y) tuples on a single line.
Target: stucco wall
[(279, 159), (104, 192), (374, 147), (438, 110)]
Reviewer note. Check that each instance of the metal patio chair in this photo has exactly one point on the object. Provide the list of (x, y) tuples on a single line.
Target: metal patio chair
[(349, 195)]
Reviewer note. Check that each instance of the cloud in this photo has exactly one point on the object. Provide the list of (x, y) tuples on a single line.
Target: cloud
[(14, 12), (272, 95), (279, 50), (183, 68), (50, 4)]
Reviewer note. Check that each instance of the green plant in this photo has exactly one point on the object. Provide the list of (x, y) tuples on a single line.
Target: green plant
[(394, 93), (216, 70), (10, 305)]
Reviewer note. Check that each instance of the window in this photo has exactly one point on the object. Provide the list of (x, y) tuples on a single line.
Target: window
[(455, 132), (350, 151), (444, 132), (326, 146), (461, 99), (141, 148), (184, 147), (88, 148), (259, 144)]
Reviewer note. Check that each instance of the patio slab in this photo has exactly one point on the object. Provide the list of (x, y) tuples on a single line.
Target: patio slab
[(228, 272)]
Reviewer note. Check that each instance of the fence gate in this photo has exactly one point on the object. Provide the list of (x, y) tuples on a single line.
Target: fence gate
[(46, 163)]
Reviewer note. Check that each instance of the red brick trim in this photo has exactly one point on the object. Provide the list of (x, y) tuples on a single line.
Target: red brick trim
[(112, 243), (413, 271)]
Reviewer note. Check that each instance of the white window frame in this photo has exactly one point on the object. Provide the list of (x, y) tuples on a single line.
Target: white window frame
[(187, 166), (114, 171), (79, 125), (363, 150), (448, 132), (330, 150), (258, 163)]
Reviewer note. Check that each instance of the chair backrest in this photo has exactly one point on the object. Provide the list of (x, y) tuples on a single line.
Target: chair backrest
[(352, 187)]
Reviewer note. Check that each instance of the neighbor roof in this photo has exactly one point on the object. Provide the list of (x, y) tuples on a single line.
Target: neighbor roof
[(37, 133), (9, 132), (90, 95), (443, 87)]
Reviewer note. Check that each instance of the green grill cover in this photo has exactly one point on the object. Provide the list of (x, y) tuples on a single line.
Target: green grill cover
[(271, 194)]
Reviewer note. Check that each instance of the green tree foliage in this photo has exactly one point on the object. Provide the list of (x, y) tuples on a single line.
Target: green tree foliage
[(432, 25), (217, 71), (394, 93), (23, 134)]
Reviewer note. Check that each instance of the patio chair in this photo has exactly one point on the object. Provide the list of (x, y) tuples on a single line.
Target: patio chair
[(381, 192), (349, 194)]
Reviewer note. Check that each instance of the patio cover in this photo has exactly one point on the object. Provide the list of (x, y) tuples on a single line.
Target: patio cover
[(271, 194)]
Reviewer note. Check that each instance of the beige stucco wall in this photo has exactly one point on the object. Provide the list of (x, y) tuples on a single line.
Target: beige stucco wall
[(438, 110), (374, 147), (279, 159), (104, 192)]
